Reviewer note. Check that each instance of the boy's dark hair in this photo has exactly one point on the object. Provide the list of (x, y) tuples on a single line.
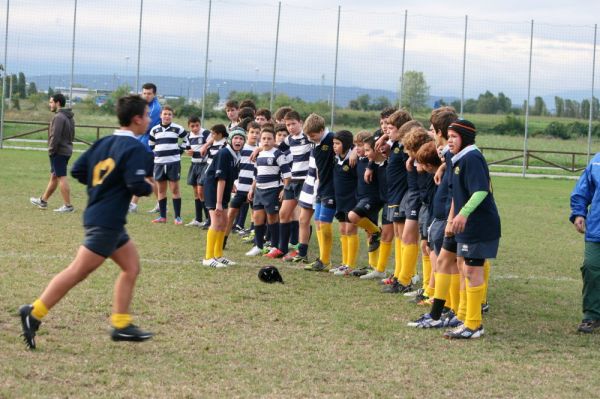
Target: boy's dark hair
[(292, 116), (248, 103), (441, 118), (280, 127), (220, 129), (128, 107), (244, 123), (267, 128), (193, 119), (232, 104), (370, 140), (268, 125), (428, 155), (253, 125), (149, 86), (246, 112), (281, 112), (167, 107), (59, 98), (263, 112), (387, 111), (399, 118), (346, 138)]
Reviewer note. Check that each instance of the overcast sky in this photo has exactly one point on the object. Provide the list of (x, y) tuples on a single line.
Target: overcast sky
[(370, 49)]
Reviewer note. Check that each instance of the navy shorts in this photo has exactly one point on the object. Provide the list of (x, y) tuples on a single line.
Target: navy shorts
[(425, 221), (478, 250), (342, 216), (394, 213), (449, 244), (104, 241), (239, 199), (385, 215), (366, 209), (167, 171), (195, 173), (267, 199), (210, 197), (293, 190), (58, 165), (411, 205), (436, 235)]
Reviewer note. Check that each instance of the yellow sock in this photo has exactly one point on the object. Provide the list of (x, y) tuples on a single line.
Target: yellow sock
[(327, 237), (120, 320), (320, 242), (454, 292), (461, 314), (219, 238), (373, 258), (369, 226), (344, 241), (353, 247), (410, 253), (39, 309), (474, 295), (385, 248), (486, 277), (442, 285), (397, 257), (210, 244), (426, 274)]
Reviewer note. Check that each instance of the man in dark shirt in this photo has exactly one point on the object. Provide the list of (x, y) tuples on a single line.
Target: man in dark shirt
[(60, 149), (113, 169)]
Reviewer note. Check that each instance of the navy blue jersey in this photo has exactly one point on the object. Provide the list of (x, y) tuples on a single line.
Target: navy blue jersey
[(382, 181), (195, 143), (448, 176), (397, 184), (299, 149), (325, 159), (364, 190), (344, 180), (412, 179), (440, 199), (246, 175), (113, 169), (470, 174), (164, 141), (425, 183), (223, 167)]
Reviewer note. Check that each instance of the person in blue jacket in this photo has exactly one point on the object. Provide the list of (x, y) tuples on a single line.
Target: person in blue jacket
[(585, 216)]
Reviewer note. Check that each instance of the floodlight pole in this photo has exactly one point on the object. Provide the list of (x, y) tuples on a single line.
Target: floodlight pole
[(401, 88), (272, 99), (4, 77), (206, 63), (337, 46), (462, 93), (73, 54), (589, 147), (527, 102), (137, 74)]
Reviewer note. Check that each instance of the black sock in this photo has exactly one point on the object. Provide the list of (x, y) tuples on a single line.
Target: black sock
[(294, 232), (274, 229), (177, 207), (162, 205), (225, 241), (268, 233), (302, 249), (284, 237), (198, 205), (206, 213), (259, 236), (436, 308), (241, 219)]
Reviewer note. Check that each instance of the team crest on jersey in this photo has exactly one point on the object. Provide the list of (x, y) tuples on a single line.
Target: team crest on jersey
[(345, 168), (456, 170), (396, 150), (325, 147), (270, 161)]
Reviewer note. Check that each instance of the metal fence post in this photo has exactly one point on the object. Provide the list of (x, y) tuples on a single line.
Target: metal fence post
[(206, 63), (589, 147), (525, 151), (137, 74), (401, 88), (4, 77), (462, 93), (272, 99), (73, 54), (337, 46)]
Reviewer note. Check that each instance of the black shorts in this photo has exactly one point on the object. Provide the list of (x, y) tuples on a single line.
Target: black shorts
[(394, 213), (167, 171), (104, 241), (267, 199), (210, 197), (366, 208), (239, 199), (478, 250), (342, 217), (195, 173), (449, 244), (412, 204), (436, 235), (293, 190), (58, 165), (424, 221), (385, 213)]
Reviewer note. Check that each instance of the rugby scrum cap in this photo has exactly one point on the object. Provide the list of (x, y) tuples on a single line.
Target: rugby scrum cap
[(466, 129), (236, 131), (270, 274)]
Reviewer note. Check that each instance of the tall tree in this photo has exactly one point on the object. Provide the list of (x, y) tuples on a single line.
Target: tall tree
[(415, 91), (504, 103), (539, 107), (559, 105), (32, 89), (21, 85)]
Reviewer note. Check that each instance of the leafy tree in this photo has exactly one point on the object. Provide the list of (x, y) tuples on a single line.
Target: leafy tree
[(585, 109), (32, 89), (487, 103), (50, 92), (504, 103), (539, 107), (559, 105), (21, 88), (415, 91), (380, 103)]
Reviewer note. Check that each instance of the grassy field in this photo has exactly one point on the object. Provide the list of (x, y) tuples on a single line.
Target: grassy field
[(222, 333)]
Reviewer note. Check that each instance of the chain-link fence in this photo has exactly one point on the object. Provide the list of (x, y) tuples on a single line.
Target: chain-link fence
[(514, 79)]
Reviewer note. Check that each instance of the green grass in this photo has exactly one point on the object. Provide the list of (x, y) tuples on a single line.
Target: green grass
[(222, 333)]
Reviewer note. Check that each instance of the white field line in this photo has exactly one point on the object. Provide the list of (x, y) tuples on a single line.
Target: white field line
[(66, 258), (37, 141)]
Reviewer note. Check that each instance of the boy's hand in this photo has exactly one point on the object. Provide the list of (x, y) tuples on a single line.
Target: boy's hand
[(368, 176), (219, 209), (281, 196), (353, 158), (234, 189), (189, 152), (579, 224), (448, 232), (383, 148), (437, 178), (250, 196), (381, 142), (409, 164), (458, 224), (204, 149), (255, 154)]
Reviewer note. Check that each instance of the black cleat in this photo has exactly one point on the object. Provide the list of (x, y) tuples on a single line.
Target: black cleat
[(205, 225), (485, 308), (374, 241), (29, 324), (130, 333), (396, 288), (589, 326)]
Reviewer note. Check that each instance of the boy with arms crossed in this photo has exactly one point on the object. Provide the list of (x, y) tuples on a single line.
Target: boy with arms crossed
[(196, 139)]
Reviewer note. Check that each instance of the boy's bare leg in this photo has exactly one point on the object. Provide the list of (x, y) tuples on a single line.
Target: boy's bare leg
[(129, 261), (65, 190), (51, 188)]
